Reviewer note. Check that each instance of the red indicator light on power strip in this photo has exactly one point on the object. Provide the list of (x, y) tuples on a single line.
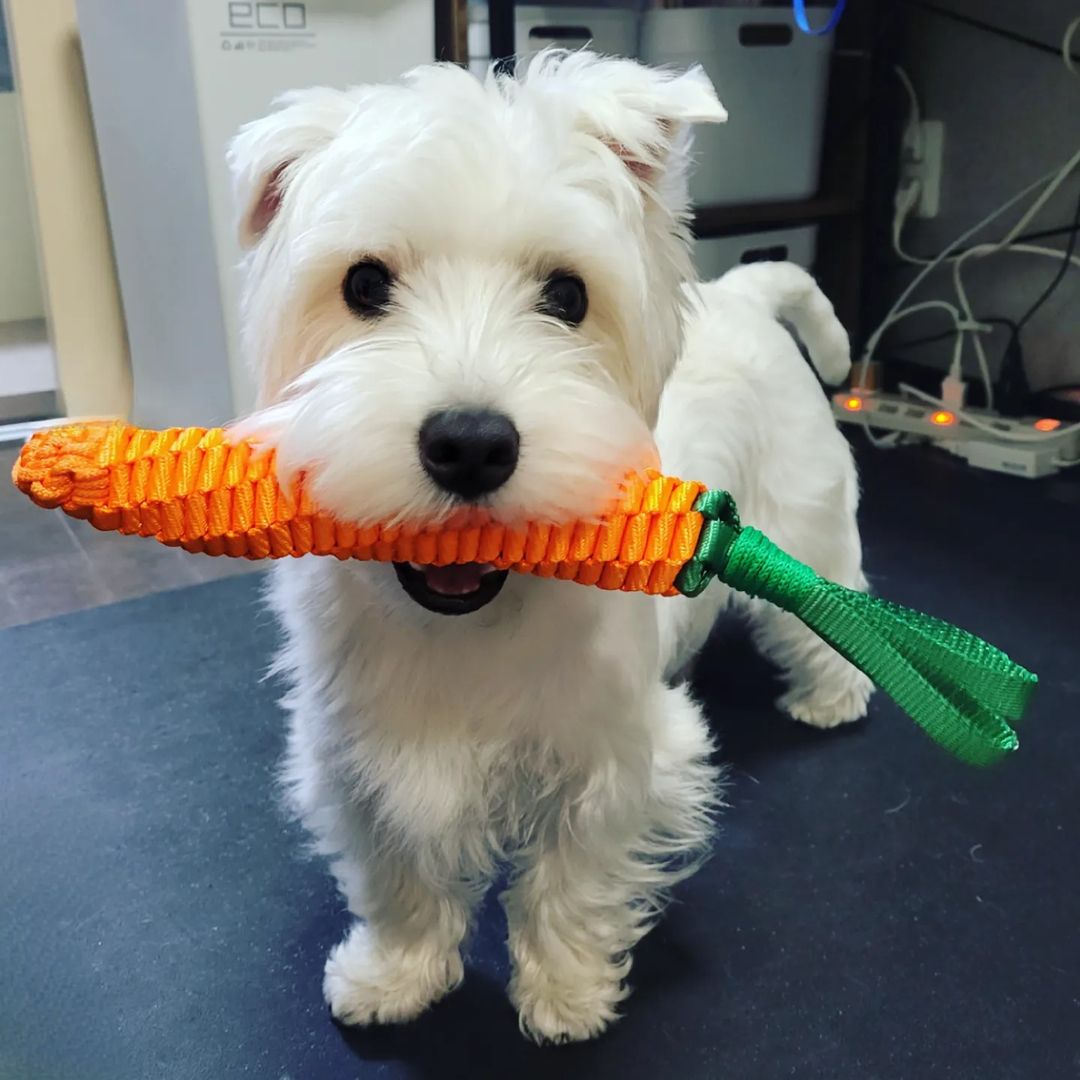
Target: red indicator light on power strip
[(853, 404), (943, 418), (1047, 423)]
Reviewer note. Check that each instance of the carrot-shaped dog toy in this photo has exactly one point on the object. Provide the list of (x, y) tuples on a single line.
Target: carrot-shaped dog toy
[(197, 489)]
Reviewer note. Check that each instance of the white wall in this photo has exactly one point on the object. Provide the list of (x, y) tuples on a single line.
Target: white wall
[(81, 296), (20, 284)]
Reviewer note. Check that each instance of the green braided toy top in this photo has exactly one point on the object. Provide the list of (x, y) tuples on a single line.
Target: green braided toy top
[(959, 689)]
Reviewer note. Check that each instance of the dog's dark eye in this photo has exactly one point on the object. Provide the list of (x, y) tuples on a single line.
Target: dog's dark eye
[(367, 288), (564, 298)]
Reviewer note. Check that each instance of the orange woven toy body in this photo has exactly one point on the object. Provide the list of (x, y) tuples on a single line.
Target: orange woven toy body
[(196, 489), (199, 490)]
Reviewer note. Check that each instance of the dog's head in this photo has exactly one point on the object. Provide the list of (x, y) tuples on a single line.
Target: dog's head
[(465, 293)]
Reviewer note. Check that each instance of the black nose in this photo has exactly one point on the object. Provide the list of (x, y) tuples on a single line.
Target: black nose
[(469, 452)]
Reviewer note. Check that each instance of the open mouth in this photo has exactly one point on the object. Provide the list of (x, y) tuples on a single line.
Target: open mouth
[(451, 590)]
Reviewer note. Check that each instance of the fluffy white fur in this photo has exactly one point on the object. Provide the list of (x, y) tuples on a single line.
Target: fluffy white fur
[(543, 729)]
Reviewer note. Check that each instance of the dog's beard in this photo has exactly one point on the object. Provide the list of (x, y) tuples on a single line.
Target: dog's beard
[(351, 423)]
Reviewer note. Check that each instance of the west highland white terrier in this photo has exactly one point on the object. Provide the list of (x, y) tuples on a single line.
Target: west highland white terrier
[(466, 292)]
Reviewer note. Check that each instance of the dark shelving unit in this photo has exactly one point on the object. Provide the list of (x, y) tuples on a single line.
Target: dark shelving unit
[(746, 217)]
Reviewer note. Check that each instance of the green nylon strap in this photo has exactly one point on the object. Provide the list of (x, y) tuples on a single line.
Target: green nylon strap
[(959, 689)]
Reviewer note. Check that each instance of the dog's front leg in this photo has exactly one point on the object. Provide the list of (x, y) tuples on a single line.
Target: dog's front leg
[(571, 927), (404, 953), (608, 848)]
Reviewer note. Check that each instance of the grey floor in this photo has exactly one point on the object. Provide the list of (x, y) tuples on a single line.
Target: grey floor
[(874, 910), (52, 565)]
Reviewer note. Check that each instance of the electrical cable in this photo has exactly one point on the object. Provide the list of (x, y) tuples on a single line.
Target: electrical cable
[(1066, 259), (1023, 238), (909, 86), (998, 31), (944, 335), (898, 305), (964, 320), (1012, 378), (1066, 46), (907, 197), (1016, 239), (981, 251)]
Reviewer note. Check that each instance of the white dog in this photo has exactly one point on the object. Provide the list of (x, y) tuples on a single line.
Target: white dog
[(464, 292)]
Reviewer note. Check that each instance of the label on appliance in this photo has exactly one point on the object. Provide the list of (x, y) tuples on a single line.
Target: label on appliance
[(266, 26)]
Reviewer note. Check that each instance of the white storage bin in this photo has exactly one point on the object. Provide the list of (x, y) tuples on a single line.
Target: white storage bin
[(718, 254), (773, 82), (605, 30)]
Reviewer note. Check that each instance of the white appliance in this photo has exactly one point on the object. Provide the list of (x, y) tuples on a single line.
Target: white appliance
[(170, 82)]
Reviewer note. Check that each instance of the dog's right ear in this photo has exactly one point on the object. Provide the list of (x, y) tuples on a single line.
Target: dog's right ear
[(262, 154)]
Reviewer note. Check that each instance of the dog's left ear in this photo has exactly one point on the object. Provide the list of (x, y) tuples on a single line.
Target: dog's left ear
[(641, 114), (657, 127), (263, 153)]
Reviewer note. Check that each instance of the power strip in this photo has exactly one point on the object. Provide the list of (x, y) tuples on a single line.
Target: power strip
[(1030, 458)]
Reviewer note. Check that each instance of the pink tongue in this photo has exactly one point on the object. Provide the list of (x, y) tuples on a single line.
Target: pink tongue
[(458, 580)]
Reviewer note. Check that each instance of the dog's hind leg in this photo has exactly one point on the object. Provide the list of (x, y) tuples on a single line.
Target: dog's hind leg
[(823, 689)]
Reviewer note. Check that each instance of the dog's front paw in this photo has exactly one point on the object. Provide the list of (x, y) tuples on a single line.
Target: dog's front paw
[(555, 1012), (828, 706), (365, 985)]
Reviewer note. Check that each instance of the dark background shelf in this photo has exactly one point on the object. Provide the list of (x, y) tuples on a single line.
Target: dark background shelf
[(732, 220)]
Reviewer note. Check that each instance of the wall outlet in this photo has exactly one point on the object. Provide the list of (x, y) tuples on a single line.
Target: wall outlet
[(928, 169), (920, 164)]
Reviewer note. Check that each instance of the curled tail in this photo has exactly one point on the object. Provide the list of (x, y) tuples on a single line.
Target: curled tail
[(788, 292)]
